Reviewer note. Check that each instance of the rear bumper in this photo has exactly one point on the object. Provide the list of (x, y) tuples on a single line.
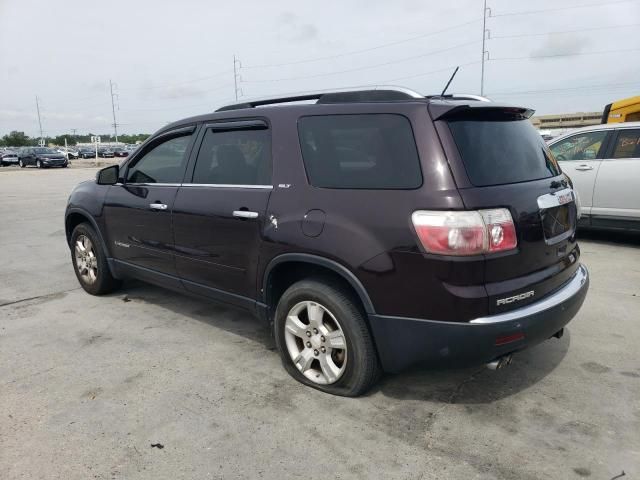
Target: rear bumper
[(402, 342)]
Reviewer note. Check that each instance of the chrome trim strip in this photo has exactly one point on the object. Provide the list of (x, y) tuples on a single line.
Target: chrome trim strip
[(216, 185), (551, 200), (569, 290), (152, 184)]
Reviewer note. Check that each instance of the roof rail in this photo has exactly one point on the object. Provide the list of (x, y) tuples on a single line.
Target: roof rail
[(343, 95), (461, 96)]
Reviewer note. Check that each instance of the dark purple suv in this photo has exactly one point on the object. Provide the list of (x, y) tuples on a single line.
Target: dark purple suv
[(373, 229)]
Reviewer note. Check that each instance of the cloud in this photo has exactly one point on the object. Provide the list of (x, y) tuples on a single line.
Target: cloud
[(293, 30), (561, 45)]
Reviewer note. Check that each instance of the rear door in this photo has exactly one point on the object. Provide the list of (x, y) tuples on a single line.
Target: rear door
[(138, 212), (580, 157), (500, 161), (617, 189), (220, 209)]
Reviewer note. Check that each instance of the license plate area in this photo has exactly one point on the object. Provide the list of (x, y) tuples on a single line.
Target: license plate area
[(558, 214)]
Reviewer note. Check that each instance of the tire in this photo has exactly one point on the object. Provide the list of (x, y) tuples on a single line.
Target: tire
[(38, 164), (65, 165), (89, 261), (21, 163), (348, 371)]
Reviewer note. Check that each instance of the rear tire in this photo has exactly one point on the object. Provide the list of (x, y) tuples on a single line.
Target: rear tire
[(322, 327), (90, 263)]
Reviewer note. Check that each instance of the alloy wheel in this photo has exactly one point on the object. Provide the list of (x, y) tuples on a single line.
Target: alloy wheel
[(86, 261), (38, 164), (316, 342)]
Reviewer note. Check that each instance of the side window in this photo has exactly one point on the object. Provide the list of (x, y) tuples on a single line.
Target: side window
[(367, 151), (627, 144), (164, 163), (584, 146), (234, 157)]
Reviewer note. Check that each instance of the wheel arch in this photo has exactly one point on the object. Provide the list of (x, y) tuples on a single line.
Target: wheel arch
[(76, 216), (284, 270)]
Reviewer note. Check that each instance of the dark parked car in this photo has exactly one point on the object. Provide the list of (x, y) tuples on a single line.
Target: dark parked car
[(41, 157), (8, 157), (86, 152), (120, 152), (105, 153), (373, 229)]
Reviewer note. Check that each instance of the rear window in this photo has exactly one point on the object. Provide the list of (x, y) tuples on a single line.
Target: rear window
[(370, 151), (497, 152)]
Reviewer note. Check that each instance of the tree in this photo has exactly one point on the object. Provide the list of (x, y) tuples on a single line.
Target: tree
[(16, 139)]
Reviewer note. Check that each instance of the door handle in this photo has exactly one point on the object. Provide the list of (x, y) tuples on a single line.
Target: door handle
[(245, 214), (584, 167), (157, 206)]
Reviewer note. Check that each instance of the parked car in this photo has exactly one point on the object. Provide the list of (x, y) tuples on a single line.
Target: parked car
[(603, 162), (69, 153), (8, 157), (85, 152), (389, 228), (120, 152), (105, 153), (41, 157)]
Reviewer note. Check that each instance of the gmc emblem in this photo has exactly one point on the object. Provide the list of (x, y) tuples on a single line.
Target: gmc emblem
[(515, 298)]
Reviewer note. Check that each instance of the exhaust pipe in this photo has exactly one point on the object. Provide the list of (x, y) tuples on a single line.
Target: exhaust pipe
[(501, 362)]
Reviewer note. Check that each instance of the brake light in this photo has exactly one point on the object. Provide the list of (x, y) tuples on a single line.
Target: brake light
[(465, 232)]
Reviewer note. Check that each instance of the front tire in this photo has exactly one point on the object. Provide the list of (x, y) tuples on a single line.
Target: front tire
[(90, 263), (21, 163), (323, 339), (38, 164)]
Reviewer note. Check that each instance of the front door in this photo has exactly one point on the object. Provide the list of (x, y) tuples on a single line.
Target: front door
[(219, 211), (137, 213), (579, 157)]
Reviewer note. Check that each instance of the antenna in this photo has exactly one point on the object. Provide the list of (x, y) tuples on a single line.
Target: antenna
[(449, 82)]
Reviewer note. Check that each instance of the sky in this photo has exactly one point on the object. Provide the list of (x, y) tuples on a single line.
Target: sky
[(173, 59)]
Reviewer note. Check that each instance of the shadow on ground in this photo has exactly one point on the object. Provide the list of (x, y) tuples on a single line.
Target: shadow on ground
[(442, 385)]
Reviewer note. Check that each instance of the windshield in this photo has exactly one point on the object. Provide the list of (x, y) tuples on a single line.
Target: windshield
[(44, 150), (496, 152)]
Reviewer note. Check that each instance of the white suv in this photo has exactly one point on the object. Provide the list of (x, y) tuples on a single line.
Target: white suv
[(603, 162)]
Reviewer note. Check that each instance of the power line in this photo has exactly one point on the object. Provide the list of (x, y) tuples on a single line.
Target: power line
[(563, 31), (364, 50), (424, 74), (584, 5), (366, 67), (566, 54), (186, 82), (567, 89)]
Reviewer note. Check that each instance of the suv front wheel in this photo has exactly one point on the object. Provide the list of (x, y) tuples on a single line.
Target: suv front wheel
[(89, 261), (323, 339)]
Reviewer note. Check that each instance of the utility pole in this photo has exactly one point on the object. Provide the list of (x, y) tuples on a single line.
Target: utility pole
[(113, 109), (484, 39), (236, 76), (39, 120)]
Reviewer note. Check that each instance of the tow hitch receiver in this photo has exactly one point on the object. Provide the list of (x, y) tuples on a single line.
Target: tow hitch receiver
[(500, 362)]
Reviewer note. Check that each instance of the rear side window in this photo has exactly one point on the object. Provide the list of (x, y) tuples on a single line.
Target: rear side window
[(497, 152), (370, 151), (583, 146), (627, 144), (237, 157)]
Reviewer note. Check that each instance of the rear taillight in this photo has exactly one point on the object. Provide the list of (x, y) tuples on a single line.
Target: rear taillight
[(465, 232)]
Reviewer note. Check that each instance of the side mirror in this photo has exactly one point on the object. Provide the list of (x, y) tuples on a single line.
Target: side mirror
[(108, 175)]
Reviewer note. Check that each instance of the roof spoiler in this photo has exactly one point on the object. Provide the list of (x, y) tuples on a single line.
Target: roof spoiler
[(477, 110)]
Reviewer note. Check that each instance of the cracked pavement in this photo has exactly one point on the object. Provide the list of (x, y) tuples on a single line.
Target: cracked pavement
[(87, 384)]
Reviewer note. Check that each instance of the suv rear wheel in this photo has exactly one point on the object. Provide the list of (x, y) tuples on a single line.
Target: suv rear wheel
[(323, 339), (89, 261)]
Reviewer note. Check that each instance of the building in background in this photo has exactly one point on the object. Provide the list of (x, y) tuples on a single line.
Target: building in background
[(567, 120)]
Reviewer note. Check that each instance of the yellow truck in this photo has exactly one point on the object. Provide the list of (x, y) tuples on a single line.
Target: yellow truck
[(626, 110)]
